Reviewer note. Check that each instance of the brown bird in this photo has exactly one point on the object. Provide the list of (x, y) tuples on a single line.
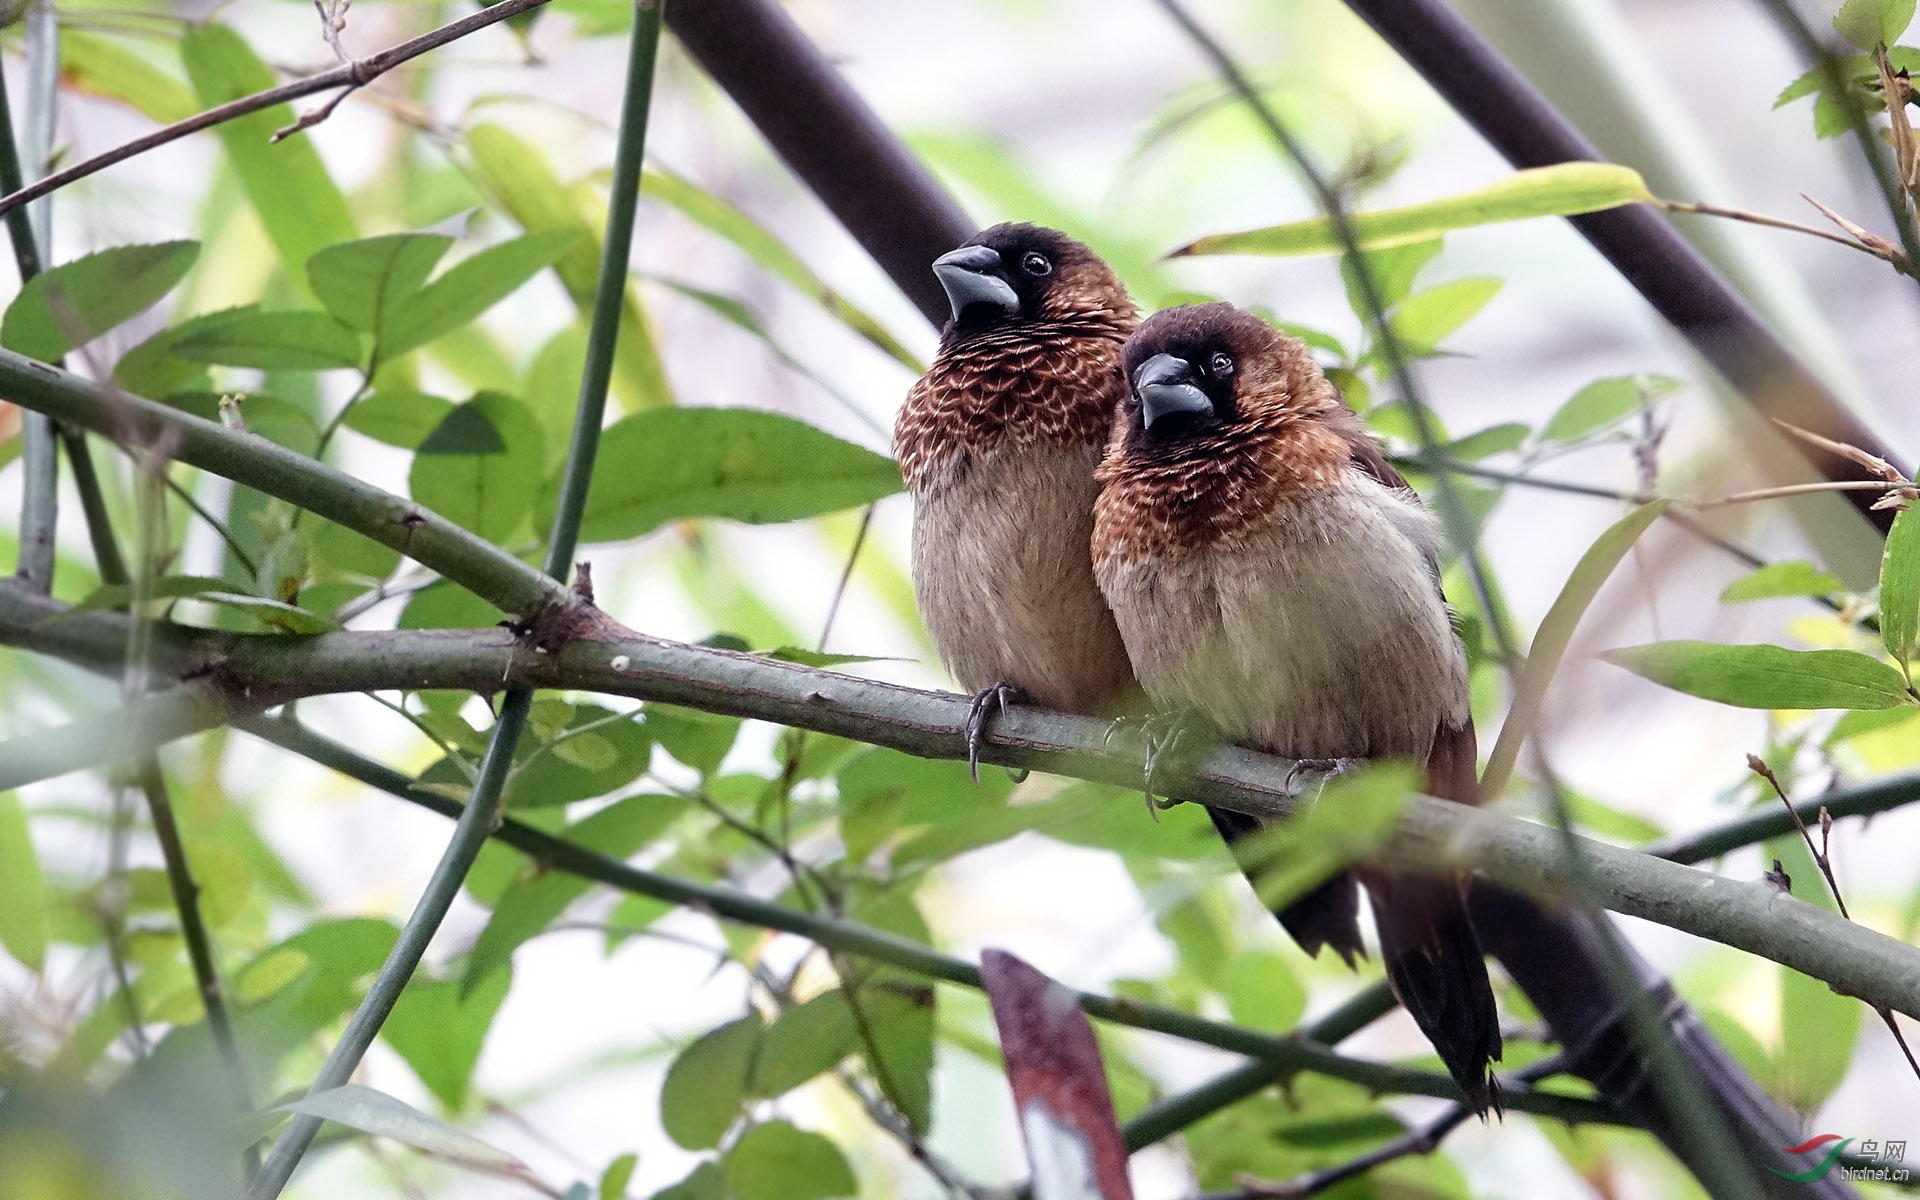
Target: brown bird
[(998, 443), (1269, 571)]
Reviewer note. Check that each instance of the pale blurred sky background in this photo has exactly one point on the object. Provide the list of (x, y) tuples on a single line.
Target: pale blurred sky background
[(1067, 89)]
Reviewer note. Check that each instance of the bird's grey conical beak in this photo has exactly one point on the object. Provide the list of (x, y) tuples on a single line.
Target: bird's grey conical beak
[(1168, 385), (972, 275)]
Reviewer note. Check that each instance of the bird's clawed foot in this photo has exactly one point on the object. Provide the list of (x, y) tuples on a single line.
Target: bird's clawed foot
[(986, 704), (1174, 742), (1326, 768)]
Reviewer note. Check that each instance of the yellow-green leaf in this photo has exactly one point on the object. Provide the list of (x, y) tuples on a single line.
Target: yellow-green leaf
[(1565, 190), (1900, 584), (106, 68), (23, 891), (1767, 676), (1556, 631)]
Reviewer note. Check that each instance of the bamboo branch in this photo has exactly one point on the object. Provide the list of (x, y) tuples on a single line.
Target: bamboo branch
[(350, 76), (239, 673)]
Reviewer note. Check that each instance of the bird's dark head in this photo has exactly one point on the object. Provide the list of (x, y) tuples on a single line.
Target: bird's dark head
[(1016, 273), (1203, 370)]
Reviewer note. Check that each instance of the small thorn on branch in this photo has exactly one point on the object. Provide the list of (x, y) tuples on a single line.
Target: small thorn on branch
[(312, 117)]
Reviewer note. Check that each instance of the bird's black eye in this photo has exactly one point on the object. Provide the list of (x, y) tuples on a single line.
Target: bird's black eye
[(1035, 263), (1222, 365)]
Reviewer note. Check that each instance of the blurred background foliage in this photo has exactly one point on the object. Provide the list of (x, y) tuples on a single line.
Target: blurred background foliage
[(402, 291)]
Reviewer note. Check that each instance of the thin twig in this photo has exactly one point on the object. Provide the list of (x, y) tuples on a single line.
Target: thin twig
[(1883, 253), (1795, 489), (351, 76), (1824, 860)]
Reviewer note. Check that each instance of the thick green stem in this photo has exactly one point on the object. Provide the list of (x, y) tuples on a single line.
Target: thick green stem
[(483, 811)]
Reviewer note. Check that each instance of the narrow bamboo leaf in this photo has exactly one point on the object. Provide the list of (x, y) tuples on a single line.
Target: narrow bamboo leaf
[(1262, 992), (741, 464), (1900, 585), (275, 341), (1603, 404), (1354, 814), (525, 183), (1781, 579), (288, 187), (471, 287), (370, 1111), (75, 302), (803, 1042), (369, 283), (1550, 642), (23, 890), (488, 493), (440, 1031), (289, 617), (1867, 23), (707, 1083), (103, 67), (777, 1161), (399, 417), (1565, 190), (1426, 319), (754, 240), (1767, 676)]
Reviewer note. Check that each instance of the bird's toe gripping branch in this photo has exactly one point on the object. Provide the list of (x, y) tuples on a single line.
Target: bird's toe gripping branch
[(987, 703), (1173, 743)]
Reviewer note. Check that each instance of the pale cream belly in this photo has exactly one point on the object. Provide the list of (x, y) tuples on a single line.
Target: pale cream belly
[(1004, 578), (1319, 635)]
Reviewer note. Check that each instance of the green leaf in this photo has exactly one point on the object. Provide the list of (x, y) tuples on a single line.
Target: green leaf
[(1818, 1028), (898, 1012), (817, 658), (23, 890), (439, 1028), (1428, 318), (370, 1111), (105, 68), (1767, 676), (488, 493), (1602, 404), (464, 430), (369, 283), (619, 1173), (1868, 23), (399, 417), (705, 1182), (803, 1042), (471, 287), (707, 1083), (1781, 579), (274, 341), (777, 1161), (1550, 642), (1393, 269), (447, 606), (1564, 190), (153, 370), (71, 304), (109, 596), (546, 780), (286, 183), (588, 751), (1354, 814), (1494, 439), (771, 253), (1900, 581), (1262, 992), (756, 467), (524, 182)]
